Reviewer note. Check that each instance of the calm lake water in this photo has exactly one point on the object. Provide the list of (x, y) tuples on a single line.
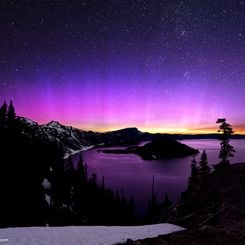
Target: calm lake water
[(134, 175)]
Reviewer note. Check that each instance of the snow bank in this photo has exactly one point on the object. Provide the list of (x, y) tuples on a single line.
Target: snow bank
[(73, 152), (79, 235)]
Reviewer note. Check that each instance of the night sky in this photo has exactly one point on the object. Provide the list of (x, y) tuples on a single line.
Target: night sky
[(162, 66)]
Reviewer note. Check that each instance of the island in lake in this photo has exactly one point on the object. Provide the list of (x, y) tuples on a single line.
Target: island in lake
[(162, 147)]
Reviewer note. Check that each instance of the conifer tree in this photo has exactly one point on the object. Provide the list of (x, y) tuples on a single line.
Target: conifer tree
[(131, 219), (132, 205), (154, 207), (118, 199), (70, 171), (81, 169), (94, 179), (86, 172), (3, 114), (153, 210), (102, 186), (204, 170), (226, 150), (70, 181), (11, 116), (194, 178), (166, 203)]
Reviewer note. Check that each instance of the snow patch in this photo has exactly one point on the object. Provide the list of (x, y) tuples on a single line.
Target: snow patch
[(89, 235), (27, 121), (73, 152), (46, 184), (48, 199)]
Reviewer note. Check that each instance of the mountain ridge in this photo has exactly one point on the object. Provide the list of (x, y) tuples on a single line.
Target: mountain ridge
[(174, 135), (72, 139)]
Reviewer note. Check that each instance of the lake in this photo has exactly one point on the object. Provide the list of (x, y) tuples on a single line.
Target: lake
[(134, 175)]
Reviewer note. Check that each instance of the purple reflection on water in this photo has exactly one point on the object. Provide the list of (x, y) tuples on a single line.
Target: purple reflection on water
[(134, 175)]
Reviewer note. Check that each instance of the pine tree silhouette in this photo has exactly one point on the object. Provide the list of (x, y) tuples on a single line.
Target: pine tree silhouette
[(75, 199), (11, 116), (153, 210), (3, 114), (166, 203), (194, 178), (102, 186), (81, 169), (204, 169), (226, 150)]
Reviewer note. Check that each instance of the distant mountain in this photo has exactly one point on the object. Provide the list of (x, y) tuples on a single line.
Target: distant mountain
[(69, 138), (150, 136), (40, 188), (72, 139), (124, 137), (204, 136)]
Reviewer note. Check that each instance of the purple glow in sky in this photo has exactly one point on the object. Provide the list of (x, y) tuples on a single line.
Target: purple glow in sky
[(161, 66)]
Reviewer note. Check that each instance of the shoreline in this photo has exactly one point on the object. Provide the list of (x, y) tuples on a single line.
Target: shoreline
[(74, 152)]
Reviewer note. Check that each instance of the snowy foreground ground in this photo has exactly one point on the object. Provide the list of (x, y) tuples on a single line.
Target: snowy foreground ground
[(79, 235)]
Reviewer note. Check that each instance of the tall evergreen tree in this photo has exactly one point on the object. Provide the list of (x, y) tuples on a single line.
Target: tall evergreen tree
[(154, 210), (70, 168), (166, 203), (102, 186), (11, 116), (226, 150), (3, 114), (204, 170), (70, 181), (81, 169), (72, 201), (194, 178), (132, 205), (94, 179), (86, 172)]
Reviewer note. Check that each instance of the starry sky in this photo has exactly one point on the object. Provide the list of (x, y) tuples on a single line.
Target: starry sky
[(159, 65)]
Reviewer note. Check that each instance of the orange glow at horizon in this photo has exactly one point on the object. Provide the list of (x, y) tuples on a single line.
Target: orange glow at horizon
[(239, 129)]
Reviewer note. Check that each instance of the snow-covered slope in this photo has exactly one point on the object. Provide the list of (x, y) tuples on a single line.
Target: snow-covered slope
[(70, 139), (83, 235), (73, 140)]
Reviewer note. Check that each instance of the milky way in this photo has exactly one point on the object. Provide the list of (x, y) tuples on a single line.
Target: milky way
[(167, 65)]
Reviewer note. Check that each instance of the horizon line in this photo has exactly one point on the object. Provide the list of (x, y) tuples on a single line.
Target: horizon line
[(173, 131)]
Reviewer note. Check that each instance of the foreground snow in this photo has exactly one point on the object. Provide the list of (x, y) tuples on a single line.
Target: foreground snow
[(79, 235)]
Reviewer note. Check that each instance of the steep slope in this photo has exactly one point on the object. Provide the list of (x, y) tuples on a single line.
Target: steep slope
[(213, 214), (220, 201), (71, 139)]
